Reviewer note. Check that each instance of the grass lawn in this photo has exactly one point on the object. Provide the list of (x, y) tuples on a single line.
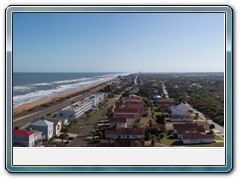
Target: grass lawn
[(75, 129), (218, 137), (168, 142)]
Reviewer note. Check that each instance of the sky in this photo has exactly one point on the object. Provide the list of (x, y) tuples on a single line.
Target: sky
[(118, 42)]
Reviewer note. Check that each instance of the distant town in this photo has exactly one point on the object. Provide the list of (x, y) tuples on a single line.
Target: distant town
[(136, 110)]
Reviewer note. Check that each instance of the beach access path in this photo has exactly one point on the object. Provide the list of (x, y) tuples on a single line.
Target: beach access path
[(23, 121)]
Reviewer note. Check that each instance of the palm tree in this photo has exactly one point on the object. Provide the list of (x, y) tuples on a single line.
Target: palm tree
[(63, 136), (150, 122)]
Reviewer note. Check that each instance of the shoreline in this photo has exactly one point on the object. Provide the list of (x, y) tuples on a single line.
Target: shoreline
[(27, 106)]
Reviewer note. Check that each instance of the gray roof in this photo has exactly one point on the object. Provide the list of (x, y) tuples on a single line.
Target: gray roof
[(42, 123)]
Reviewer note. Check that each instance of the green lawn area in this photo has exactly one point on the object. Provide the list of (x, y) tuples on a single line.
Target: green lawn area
[(217, 137), (167, 141)]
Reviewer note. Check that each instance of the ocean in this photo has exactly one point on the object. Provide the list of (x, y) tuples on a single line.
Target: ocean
[(30, 87)]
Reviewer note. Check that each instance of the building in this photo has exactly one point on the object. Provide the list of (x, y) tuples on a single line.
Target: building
[(95, 99), (165, 104), (127, 111), (125, 133), (118, 123), (24, 138), (180, 109), (192, 133), (57, 125), (66, 113), (75, 110), (180, 129), (196, 138), (121, 122), (44, 126)]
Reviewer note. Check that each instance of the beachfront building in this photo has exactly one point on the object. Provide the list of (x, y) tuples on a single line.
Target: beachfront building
[(68, 114), (57, 125), (75, 110), (79, 108), (46, 127), (25, 138), (95, 99), (125, 133)]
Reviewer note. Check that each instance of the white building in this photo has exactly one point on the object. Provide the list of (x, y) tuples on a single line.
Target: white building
[(23, 138), (44, 126), (75, 110), (197, 138), (95, 99), (180, 110)]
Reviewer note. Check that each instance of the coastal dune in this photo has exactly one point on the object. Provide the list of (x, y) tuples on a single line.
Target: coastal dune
[(27, 106)]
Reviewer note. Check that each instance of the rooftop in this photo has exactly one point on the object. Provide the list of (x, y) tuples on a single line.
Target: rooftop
[(22, 132), (197, 135)]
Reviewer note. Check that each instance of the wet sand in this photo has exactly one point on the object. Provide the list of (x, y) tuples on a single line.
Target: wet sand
[(28, 106)]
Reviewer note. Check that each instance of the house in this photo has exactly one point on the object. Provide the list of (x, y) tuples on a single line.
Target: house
[(125, 133), (165, 104), (44, 126), (178, 118), (121, 122), (118, 123), (180, 129), (196, 138), (130, 118), (180, 109), (25, 138), (57, 125), (133, 100), (127, 111)]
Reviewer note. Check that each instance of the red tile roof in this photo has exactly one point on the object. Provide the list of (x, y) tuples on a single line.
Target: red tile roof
[(197, 135), (126, 110), (128, 116), (188, 127), (23, 132), (167, 100), (126, 131)]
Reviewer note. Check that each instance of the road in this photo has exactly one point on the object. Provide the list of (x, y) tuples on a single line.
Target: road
[(165, 90), (135, 80), (22, 121), (79, 140), (201, 115)]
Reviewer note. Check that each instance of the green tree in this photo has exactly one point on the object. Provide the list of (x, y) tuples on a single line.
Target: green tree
[(211, 126), (150, 122), (196, 116), (63, 136), (160, 119)]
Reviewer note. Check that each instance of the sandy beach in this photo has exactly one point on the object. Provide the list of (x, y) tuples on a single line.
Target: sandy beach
[(28, 106)]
